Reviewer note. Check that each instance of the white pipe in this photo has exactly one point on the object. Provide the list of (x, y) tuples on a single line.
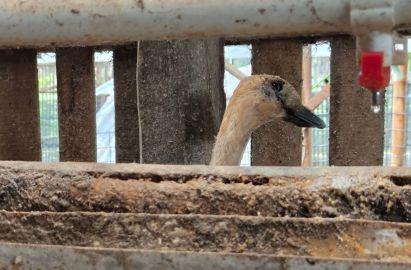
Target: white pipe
[(402, 18), (43, 23), (89, 22)]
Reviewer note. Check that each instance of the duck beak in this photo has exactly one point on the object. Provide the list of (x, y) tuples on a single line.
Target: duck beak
[(302, 117)]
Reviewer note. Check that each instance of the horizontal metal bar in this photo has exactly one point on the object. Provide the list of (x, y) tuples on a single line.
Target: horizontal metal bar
[(20, 256), (44, 23)]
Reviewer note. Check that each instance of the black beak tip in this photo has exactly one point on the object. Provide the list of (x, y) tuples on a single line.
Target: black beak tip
[(321, 125), (304, 118)]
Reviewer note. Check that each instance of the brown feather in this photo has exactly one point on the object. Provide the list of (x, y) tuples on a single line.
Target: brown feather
[(249, 108)]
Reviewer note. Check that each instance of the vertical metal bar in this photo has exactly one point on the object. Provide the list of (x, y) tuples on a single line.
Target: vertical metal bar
[(125, 90), (77, 104), (19, 106), (278, 143), (356, 134), (181, 98)]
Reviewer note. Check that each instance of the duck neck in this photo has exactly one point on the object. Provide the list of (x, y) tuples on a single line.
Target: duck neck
[(235, 130)]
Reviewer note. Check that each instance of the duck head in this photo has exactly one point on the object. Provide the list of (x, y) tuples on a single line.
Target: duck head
[(273, 97)]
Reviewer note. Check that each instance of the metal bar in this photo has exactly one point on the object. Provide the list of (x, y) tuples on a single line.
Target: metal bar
[(181, 99), (14, 256), (402, 19), (356, 134), (72, 22), (45, 23), (19, 108), (76, 104), (126, 106), (278, 143)]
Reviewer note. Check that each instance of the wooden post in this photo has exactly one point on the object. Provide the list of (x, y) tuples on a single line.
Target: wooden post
[(127, 118), (356, 134), (399, 118), (77, 104), (234, 71), (181, 99), (278, 143), (19, 106), (305, 95), (319, 98)]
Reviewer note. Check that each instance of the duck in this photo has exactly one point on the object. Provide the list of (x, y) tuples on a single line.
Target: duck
[(257, 100)]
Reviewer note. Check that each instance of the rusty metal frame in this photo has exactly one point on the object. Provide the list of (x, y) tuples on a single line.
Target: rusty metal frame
[(45, 23)]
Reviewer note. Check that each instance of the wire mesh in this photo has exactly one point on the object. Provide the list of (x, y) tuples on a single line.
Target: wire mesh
[(320, 70), (48, 106), (104, 72), (47, 80)]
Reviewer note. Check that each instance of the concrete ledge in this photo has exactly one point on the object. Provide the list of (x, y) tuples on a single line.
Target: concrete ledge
[(326, 238), (224, 171), (367, 192)]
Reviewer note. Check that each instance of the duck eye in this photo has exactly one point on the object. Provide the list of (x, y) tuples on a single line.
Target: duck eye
[(277, 85)]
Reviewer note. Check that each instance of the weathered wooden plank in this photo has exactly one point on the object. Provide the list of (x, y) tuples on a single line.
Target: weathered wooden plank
[(127, 118), (305, 96), (278, 143), (76, 104), (19, 106), (356, 134), (180, 86)]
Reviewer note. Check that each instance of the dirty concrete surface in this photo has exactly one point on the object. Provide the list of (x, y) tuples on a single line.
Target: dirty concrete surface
[(319, 213), (368, 197), (239, 234)]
